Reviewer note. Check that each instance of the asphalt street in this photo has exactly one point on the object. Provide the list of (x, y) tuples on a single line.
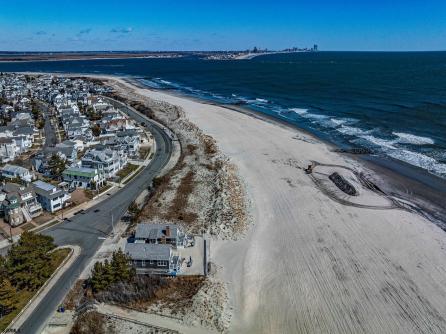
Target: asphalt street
[(50, 133), (88, 230)]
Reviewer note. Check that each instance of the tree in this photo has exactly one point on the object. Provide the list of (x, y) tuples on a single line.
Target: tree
[(8, 297), (97, 279), (122, 272), (96, 129), (107, 273), (56, 165), (40, 123), (35, 110), (3, 268), (28, 261)]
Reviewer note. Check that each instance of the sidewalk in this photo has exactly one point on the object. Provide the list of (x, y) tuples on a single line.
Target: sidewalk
[(151, 319)]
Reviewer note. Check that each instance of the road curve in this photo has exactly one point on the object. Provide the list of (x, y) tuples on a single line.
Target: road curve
[(85, 230)]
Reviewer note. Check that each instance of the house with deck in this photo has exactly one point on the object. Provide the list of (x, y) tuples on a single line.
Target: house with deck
[(50, 197), (83, 177), (18, 203), (169, 234), (153, 258)]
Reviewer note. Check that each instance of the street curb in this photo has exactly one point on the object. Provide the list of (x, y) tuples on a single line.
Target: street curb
[(42, 288)]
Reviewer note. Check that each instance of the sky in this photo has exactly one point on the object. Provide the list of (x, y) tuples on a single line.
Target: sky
[(361, 25)]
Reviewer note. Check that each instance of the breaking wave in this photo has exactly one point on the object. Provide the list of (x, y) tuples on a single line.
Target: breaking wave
[(407, 138)]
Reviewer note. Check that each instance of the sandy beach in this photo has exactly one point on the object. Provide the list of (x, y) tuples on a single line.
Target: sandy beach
[(310, 264), (316, 260)]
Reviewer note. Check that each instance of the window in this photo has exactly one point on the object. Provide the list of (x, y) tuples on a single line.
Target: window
[(162, 263)]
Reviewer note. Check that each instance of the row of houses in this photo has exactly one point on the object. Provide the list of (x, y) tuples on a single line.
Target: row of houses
[(97, 142), (18, 133), (102, 155)]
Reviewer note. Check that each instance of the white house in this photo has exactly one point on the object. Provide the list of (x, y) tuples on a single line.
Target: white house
[(8, 149), (50, 197), (13, 171), (82, 177), (107, 161)]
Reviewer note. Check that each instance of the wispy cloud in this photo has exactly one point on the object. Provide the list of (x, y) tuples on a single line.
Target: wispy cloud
[(122, 30), (84, 31)]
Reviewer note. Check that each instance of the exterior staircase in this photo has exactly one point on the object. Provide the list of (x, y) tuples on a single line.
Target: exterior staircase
[(26, 215)]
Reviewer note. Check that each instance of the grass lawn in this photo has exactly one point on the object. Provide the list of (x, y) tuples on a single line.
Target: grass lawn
[(23, 296), (144, 152), (90, 193), (128, 169)]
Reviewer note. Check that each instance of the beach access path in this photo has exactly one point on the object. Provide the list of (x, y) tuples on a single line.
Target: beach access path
[(310, 264)]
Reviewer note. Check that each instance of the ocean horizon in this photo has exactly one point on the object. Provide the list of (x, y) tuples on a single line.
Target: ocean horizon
[(392, 103)]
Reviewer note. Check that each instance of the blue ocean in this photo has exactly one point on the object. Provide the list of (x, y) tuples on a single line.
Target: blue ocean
[(392, 103)]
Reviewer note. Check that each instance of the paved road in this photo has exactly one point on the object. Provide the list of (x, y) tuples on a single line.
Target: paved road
[(86, 229), (50, 133)]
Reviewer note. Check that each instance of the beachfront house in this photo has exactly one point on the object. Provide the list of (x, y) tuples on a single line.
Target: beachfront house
[(83, 177), (50, 197), (153, 258), (170, 234)]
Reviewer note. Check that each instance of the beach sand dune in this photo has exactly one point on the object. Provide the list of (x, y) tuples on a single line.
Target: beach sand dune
[(310, 264)]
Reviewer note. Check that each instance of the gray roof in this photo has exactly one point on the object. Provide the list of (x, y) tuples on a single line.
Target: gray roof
[(148, 251), (12, 188), (24, 131), (155, 231), (15, 169), (47, 190)]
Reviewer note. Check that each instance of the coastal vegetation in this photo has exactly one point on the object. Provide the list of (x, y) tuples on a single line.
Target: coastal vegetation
[(110, 272), (28, 265), (115, 282), (203, 191)]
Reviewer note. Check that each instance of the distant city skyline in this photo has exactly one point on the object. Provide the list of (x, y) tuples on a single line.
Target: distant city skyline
[(379, 25)]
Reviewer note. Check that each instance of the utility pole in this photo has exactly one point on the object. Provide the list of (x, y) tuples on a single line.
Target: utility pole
[(113, 226)]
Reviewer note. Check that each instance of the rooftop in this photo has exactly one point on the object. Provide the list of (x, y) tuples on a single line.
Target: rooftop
[(15, 169), (81, 171), (155, 231), (148, 251)]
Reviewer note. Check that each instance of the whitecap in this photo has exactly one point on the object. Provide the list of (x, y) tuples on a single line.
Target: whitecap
[(299, 111), (383, 143), (351, 130), (336, 121), (315, 116), (261, 100), (419, 160), (408, 138)]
